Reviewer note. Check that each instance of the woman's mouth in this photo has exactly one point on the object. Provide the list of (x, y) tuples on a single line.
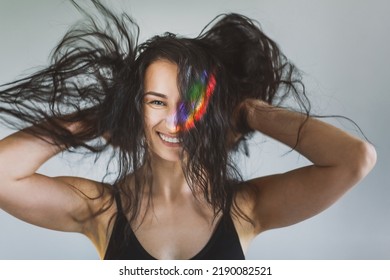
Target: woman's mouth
[(169, 139)]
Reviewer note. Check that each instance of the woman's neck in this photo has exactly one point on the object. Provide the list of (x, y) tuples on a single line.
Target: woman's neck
[(168, 179)]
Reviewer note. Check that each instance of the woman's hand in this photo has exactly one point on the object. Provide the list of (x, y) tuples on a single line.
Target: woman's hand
[(240, 120)]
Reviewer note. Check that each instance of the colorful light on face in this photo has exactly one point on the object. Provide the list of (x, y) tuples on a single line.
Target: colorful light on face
[(199, 96)]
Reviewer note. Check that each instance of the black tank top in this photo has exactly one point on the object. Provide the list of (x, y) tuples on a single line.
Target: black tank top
[(224, 243)]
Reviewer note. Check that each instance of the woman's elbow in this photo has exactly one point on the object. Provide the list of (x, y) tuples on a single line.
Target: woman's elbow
[(364, 160)]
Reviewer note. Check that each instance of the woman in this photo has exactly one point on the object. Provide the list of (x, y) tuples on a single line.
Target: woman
[(174, 110)]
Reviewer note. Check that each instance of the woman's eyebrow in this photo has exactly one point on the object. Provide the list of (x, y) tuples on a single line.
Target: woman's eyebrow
[(156, 94)]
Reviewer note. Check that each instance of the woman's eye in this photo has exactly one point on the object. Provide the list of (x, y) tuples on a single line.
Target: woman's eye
[(157, 103)]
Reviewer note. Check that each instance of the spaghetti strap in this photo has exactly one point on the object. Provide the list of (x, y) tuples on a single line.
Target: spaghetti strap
[(118, 201)]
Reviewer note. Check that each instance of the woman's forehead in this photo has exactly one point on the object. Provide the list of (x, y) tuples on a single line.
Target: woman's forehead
[(161, 77)]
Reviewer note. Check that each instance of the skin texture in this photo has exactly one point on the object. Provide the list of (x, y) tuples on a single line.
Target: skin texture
[(339, 161)]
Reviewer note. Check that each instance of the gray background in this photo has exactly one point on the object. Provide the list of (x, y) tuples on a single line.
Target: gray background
[(342, 46)]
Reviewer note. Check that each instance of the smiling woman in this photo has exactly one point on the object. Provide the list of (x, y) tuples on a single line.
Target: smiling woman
[(173, 110), (161, 99)]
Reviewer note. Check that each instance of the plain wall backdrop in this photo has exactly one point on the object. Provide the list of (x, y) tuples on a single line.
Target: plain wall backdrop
[(341, 46)]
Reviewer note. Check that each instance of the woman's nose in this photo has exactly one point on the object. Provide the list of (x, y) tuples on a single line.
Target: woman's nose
[(171, 122)]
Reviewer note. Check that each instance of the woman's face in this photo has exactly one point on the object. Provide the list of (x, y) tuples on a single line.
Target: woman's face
[(161, 96)]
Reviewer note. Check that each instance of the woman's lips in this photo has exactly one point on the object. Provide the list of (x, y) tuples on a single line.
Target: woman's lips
[(169, 140)]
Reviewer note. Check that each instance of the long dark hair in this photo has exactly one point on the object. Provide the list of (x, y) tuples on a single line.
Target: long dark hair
[(96, 78)]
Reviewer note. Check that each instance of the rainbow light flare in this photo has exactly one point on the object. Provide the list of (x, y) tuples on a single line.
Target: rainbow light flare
[(199, 97)]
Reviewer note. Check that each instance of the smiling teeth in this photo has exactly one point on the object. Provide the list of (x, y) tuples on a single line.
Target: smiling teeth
[(169, 139)]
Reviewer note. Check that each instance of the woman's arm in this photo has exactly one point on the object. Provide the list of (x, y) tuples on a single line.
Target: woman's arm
[(59, 203), (339, 159)]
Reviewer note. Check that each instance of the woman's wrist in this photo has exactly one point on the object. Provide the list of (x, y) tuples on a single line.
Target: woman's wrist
[(256, 110)]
